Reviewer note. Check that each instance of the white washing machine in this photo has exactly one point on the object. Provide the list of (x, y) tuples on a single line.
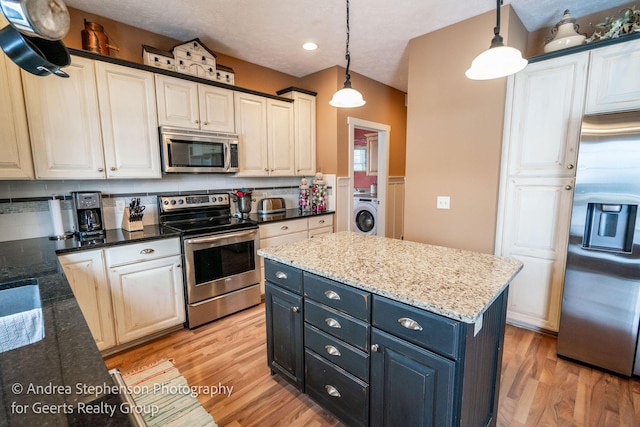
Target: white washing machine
[(365, 215)]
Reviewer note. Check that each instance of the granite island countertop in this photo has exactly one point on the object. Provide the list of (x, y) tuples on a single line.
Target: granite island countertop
[(454, 283)]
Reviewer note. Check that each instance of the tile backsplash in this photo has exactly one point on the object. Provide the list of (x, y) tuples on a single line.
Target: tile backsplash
[(24, 210)]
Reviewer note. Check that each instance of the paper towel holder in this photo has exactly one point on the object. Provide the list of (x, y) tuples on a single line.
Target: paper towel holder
[(64, 234)]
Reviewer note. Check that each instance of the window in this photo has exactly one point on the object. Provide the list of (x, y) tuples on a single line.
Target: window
[(360, 158)]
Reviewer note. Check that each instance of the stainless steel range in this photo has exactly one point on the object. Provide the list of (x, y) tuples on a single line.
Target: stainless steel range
[(219, 252)]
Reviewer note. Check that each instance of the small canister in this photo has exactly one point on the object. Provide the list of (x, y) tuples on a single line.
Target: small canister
[(94, 39)]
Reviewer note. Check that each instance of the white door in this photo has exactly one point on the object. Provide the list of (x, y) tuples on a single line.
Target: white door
[(177, 102), (64, 122), (281, 156), (15, 149), (86, 275), (129, 122), (536, 232), (251, 126), (216, 109), (147, 297)]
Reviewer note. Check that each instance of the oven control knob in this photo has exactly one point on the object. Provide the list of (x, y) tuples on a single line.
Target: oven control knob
[(166, 202), (173, 202), (213, 198), (180, 201)]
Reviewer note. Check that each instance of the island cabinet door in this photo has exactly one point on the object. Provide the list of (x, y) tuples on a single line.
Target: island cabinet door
[(410, 386), (284, 334)]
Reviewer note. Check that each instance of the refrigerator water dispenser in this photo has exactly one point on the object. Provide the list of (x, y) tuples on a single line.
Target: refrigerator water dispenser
[(610, 226)]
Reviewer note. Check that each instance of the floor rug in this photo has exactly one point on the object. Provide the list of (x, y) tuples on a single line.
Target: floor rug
[(164, 398)]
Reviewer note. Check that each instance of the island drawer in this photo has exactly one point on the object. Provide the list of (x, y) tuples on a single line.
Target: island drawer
[(428, 330), (338, 324), (344, 355), (350, 300), (283, 275), (337, 390)]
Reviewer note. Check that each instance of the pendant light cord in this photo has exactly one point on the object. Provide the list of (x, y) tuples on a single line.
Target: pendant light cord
[(496, 29), (347, 54)]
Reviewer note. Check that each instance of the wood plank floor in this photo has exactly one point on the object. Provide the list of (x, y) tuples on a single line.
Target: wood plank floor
[(537, 388)]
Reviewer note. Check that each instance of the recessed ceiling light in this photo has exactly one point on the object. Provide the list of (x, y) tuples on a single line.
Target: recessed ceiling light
[(310, 46)]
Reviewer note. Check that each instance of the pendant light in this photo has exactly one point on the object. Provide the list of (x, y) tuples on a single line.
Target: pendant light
[(499, 60), (347, 97)]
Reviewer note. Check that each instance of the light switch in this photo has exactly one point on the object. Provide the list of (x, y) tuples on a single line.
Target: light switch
[(443, 202), (119, 205)]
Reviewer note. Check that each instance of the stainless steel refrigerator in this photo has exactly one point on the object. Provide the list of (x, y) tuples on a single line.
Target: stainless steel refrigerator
[(600, 314)]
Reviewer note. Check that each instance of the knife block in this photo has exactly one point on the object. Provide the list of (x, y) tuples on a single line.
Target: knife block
[(130, 225)]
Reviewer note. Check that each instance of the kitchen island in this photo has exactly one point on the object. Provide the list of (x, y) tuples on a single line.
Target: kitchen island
[(389, 332)]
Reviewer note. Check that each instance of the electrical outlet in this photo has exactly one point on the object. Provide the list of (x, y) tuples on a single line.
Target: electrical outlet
[(119, 205), (443, 202)]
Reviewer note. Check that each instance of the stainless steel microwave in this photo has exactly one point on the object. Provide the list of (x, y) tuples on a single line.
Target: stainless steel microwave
[(195, 151)]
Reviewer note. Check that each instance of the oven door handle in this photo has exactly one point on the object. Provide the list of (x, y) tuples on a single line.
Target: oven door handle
[(212, 239)]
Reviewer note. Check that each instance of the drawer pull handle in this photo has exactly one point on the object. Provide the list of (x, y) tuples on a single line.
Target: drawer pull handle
[(375, 348), (332, 391), (332, 350), (321, 221), (281, 275), (332, 295), (284, 227), (295, 309), (410, 324), (147, 251), (333, 323)]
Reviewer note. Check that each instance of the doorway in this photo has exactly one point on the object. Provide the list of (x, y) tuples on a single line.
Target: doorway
[(368, 174)]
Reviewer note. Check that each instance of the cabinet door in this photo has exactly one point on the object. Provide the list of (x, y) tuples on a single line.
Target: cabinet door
[(216, 109), (536, 232), (284, 316), (281, 156), (177, 102), (86, 275), (546, 114), (64, 122), (410, 386), (129, 124), (305, 133), (372, 155), (147, 297), (613, 78), (251, 126), (15, 149)]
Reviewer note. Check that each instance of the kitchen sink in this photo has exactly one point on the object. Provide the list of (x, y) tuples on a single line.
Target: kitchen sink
[(21, 320)]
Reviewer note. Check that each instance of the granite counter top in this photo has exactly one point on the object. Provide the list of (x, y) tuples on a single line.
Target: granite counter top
[(65, 369), (451, 282)]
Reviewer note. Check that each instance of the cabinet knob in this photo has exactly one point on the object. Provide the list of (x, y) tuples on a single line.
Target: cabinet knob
[(197, 121), (147, 251), (281, 275), (113, 168), (321, 221), (568, 187), (332, 323), (205, 123), (332, 350), (569, 166), (295, 309), (266, 169), (332, 391), (100, 169), (410, 324), (332, 295), (284, 227), (375, 348)]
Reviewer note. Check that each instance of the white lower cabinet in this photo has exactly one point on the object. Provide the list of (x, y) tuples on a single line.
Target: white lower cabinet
[(147, 297), (128, 292), (86, 275)]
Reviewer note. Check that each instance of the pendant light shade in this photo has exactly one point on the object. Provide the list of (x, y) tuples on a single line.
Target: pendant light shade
[(347, 97), (499, 60)]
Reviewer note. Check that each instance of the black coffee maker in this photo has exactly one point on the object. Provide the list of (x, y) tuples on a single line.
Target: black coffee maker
[(87, 214)]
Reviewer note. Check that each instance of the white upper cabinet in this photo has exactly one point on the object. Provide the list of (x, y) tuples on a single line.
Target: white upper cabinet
[(64, 123), (280, 139), (186, 104), (129, 125), (98, 123), (251, 126), (304, 113), (544, 126), (613, 78), (15, 150)]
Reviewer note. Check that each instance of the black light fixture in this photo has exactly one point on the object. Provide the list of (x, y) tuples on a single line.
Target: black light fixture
[(499, 60), (347, 97)]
